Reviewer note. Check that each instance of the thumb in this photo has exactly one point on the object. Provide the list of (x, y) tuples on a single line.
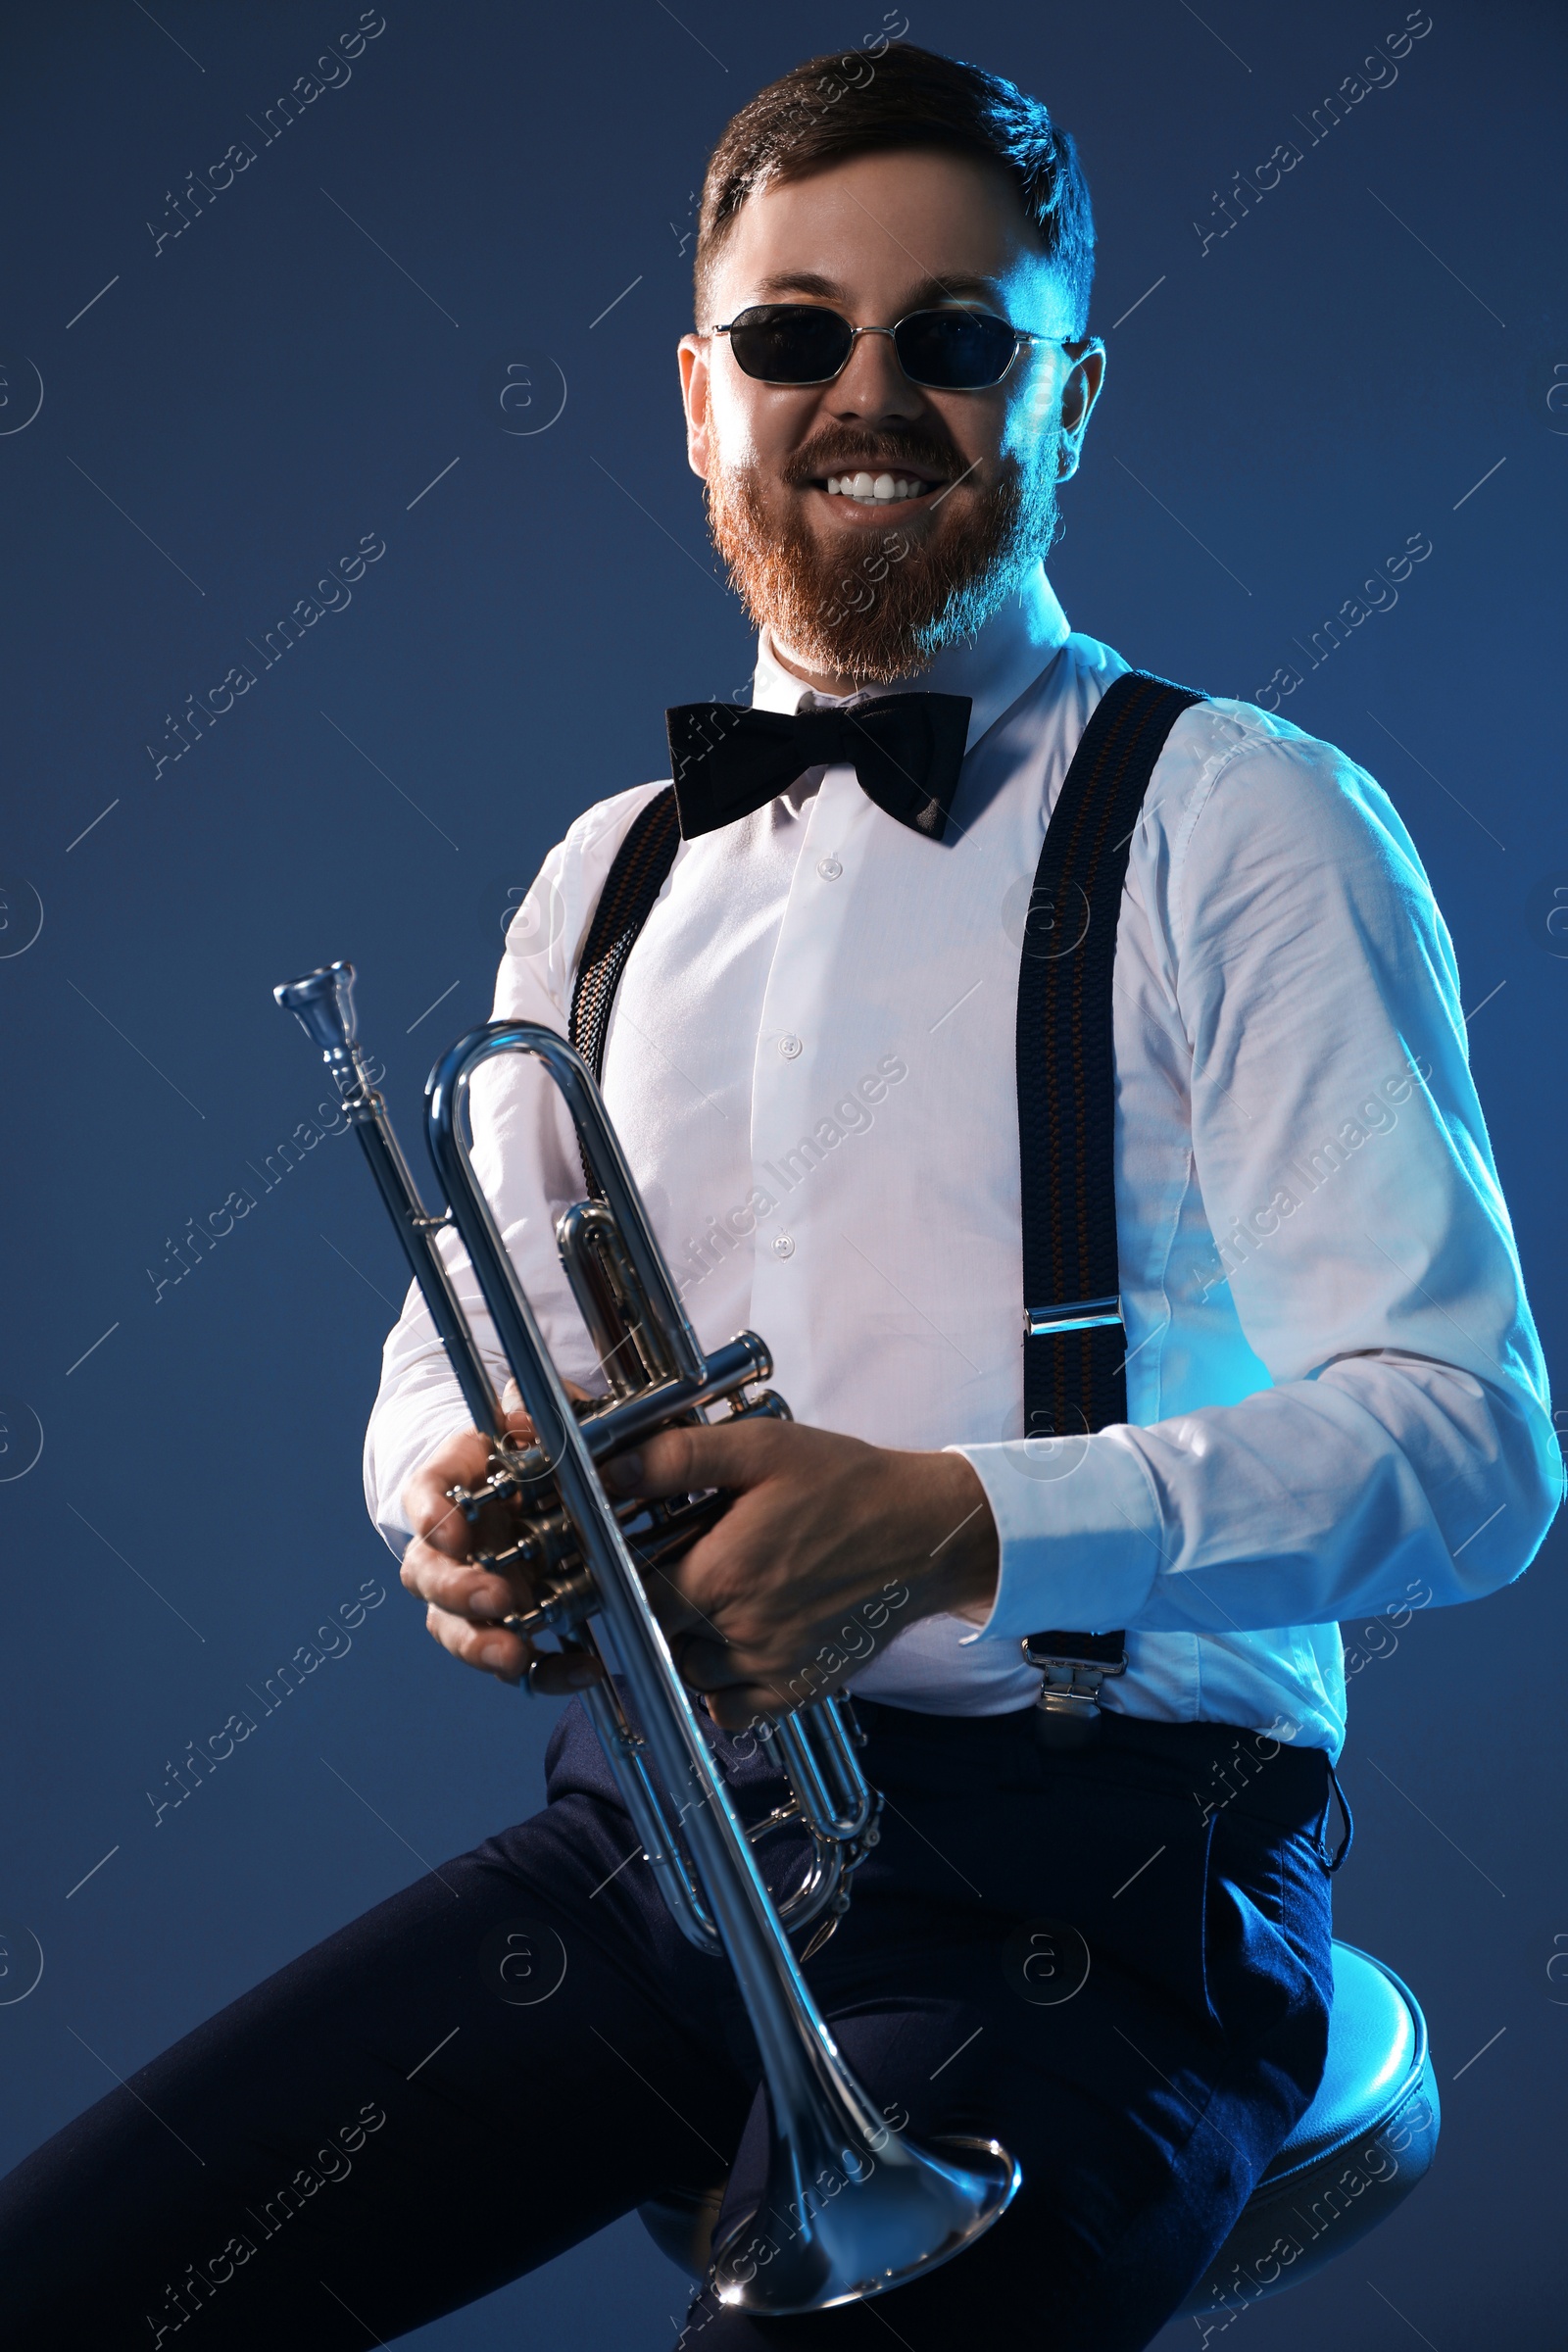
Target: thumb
[(686, 1461)]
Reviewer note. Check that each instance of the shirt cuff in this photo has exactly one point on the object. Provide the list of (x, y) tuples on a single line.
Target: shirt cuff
[(1079, 1530)]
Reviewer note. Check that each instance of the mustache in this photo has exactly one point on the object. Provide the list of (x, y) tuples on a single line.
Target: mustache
[(841, 450)]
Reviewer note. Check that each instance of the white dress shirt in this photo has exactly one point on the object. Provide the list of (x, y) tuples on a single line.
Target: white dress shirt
[(1336, 1397)]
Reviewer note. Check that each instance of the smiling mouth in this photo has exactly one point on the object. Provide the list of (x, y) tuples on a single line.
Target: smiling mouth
[(882, 489)]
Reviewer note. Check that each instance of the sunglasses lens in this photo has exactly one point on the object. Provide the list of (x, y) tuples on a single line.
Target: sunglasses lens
[(790, 342), (955, 351)]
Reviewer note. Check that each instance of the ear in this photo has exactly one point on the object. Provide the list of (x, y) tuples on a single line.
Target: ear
[(693, 359), (1079, 393)]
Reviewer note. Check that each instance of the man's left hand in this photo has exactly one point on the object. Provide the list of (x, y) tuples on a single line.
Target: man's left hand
[(829, 1548)]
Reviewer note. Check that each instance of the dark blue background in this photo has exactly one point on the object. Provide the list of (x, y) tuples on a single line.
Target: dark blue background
[(1283, 411)]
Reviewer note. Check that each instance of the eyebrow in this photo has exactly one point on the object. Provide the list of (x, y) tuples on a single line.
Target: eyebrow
[(929, 293)]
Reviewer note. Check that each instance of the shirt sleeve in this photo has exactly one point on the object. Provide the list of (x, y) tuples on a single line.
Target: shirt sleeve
[(525, 1157), (1399, 1431)]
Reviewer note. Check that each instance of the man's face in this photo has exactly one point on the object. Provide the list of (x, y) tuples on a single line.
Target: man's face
[(853, 586)]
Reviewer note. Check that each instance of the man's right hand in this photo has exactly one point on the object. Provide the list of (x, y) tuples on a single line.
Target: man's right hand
[(465, 1602)]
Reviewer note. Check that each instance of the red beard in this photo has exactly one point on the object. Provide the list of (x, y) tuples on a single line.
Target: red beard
[(876, 607)]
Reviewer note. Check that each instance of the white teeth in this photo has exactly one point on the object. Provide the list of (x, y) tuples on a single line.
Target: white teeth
[(878, 489)]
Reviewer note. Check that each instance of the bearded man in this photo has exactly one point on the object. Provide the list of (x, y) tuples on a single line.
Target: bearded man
[(846, 977)]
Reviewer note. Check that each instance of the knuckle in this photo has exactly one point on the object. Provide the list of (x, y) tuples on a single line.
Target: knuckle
[(420, 1567), (672, 1454), (436, 1579)]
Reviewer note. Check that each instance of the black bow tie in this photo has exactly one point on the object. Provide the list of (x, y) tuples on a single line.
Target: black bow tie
[(907, 750)]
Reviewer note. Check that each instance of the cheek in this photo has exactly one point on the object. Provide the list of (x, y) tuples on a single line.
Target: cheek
[(1032, 431), (746, 423), (1033, 417)]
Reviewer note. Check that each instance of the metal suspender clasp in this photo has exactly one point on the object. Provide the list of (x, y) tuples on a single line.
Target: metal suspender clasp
[(1074, 1665), (1077, 1314)]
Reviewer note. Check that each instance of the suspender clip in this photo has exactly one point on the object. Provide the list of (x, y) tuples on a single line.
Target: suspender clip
[(1073, 1666), (1077, 1314)]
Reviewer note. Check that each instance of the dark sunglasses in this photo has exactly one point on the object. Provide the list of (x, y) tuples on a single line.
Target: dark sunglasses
[(944, 351)]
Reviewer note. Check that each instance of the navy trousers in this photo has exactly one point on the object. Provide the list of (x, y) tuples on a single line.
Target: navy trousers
[(1115, 1960)]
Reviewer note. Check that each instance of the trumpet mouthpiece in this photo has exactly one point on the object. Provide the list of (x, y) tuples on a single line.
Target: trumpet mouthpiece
[(322, 1003)]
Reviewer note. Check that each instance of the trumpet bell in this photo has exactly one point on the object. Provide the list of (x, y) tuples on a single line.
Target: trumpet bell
[(865, 2222)]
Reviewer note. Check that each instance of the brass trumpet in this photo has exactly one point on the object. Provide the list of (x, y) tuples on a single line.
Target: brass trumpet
[(897, 2208)]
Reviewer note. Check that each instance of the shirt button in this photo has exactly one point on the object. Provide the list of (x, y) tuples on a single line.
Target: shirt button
[(789, 1047), (829, 868), (783, 1245)]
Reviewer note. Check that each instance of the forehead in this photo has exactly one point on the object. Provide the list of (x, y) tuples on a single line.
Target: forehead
[(874, 228)]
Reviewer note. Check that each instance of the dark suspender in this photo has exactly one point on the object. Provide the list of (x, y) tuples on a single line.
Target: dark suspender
[(1075, 1344), (633, 883)]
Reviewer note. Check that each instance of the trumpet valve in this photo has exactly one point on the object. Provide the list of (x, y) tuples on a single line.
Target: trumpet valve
[(746, 1403), (560, 1612)]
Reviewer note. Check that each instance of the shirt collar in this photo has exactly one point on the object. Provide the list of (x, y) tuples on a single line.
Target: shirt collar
[(994, 668)]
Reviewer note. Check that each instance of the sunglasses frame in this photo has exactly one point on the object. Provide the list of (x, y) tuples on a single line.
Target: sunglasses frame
[(1020, 336)]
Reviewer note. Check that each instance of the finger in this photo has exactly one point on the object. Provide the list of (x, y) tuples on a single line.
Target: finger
[(675, 1611), (510, 1657), (717, 1679), (505, 1655), (740, 1705), (686, 1461), (717, 1668), (436, 1520), (463, 1461), (426, 1498), (775, 1680), (457, 1587)]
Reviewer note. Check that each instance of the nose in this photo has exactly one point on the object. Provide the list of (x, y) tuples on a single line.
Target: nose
[(873, 385)]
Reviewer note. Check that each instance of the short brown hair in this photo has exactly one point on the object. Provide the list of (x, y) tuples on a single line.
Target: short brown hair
[(834, 106)]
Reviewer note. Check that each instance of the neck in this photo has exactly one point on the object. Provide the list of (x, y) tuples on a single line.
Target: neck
[(1030, 613), (822, 681)]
